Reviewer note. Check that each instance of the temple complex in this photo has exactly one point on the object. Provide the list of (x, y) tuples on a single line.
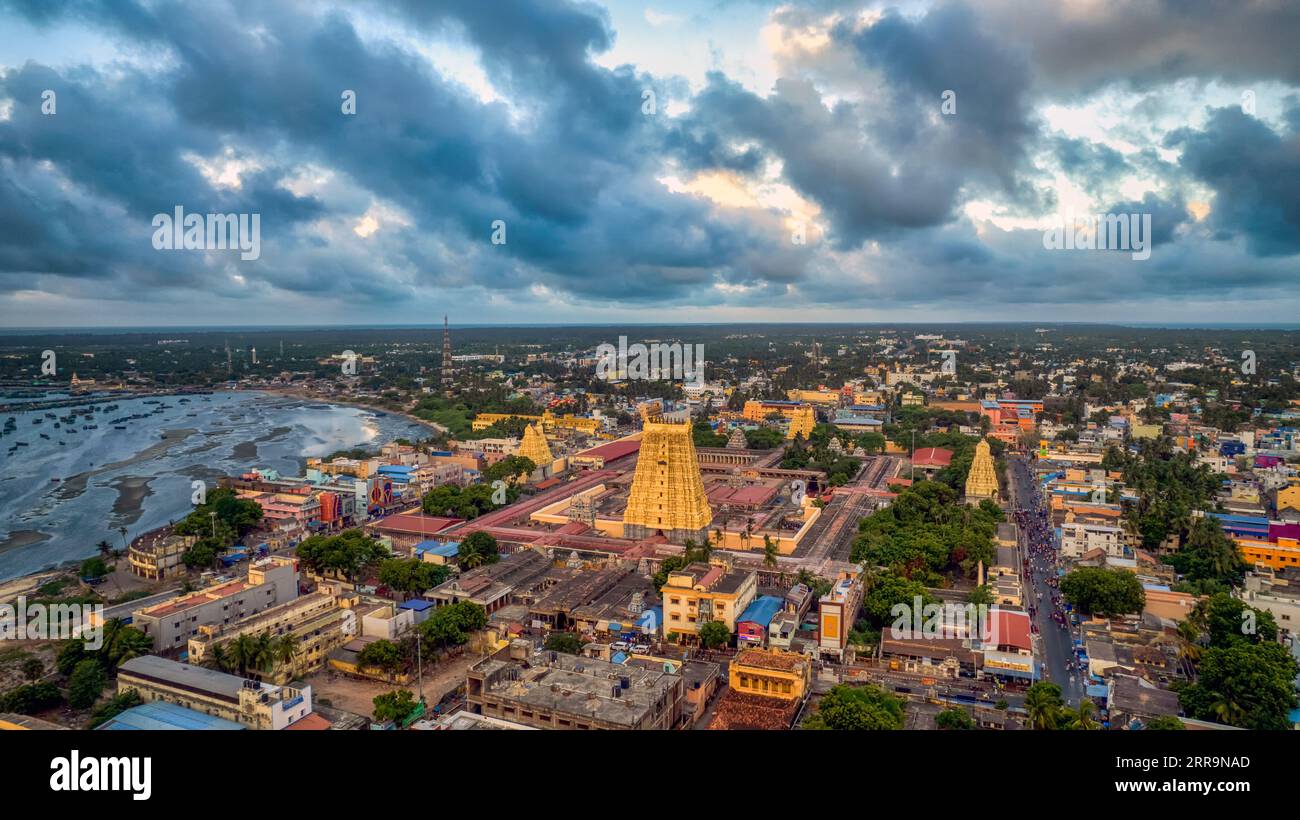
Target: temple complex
[(667, 494), (982, 480)]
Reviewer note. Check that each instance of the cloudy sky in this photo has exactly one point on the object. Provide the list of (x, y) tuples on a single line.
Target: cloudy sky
[(649, 161)]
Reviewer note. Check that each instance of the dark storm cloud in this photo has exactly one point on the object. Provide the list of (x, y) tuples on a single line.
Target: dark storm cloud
[(1080, 47), (881, 170), (574, 185), (1254, 172), (569, 161)]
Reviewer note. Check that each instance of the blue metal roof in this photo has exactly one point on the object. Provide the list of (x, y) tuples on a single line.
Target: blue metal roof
[(448, 550), (761, 611), (417, 604), (160, 715), (1241, 519)]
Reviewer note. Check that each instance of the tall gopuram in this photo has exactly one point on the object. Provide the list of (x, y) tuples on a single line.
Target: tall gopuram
[(534, 446), (737, 440), (667, 495), (802, 422), (982, 480)]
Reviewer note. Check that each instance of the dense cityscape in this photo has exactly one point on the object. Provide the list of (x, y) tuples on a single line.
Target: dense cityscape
[(872, 393), (832, 527)]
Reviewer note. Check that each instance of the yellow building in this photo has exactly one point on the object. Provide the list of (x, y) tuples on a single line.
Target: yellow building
[(982, 480), (357, 468), (549, 421), (1284, 553), (667, 494), (1289, 498), (814, 396), (700, 592), (772, 674)]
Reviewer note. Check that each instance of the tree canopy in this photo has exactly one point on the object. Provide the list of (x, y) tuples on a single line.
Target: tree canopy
[(1104, 591), (855, 708)]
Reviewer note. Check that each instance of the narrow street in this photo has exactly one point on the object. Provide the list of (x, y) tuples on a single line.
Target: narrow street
[(1054, 641)]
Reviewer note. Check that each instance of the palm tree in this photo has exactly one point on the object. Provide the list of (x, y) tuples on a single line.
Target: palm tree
[(1080, 718), (241, 652), (1227, 710), (770, 552), (263, 656), (1043, 702), (105, 549), (216, 659), (284, 648)]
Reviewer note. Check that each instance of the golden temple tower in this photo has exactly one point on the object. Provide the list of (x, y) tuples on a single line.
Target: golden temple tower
[(534, 446), (802, 422), (982, 480), (667, 493)]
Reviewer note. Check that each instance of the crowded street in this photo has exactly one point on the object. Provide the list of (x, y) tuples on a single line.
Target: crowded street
[(1053, 633)]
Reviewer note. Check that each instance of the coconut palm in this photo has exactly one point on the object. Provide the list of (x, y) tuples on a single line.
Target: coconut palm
[(770, 552), (263, 655), (216, 658), (1227, 710), (241, 653), (1080, 718), (284, 648), (105, 550), (1043, 702)]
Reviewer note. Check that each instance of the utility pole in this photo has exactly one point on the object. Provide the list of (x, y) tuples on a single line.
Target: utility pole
[(419, 661), (213, 516), (912, 476)]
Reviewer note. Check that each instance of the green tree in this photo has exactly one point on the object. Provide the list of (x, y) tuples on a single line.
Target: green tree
[(32, 668), (1165, 723), (857, 708), (1209, 554), (452, 625), (566, 642), (284, 649), (509, 469), (114, 706), (1043, 703), (86, 684), (344, 555), (394, 706), (94, 568), (1250, 685), (1104, 591), (411, 576), (953, 718), (714, 634), (1079, 717), (383, 655), (31, 698), (478, 548)]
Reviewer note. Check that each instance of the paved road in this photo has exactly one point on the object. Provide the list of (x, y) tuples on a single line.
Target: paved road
[(1055, 642)]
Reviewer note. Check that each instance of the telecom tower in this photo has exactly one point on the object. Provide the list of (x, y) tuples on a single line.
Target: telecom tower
[(446, 357)]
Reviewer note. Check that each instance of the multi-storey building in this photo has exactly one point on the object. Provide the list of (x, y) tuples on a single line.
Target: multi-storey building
[(554, 690), (160, 559), (229, 697), (318, 623), (172, 623), (700, 592)]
